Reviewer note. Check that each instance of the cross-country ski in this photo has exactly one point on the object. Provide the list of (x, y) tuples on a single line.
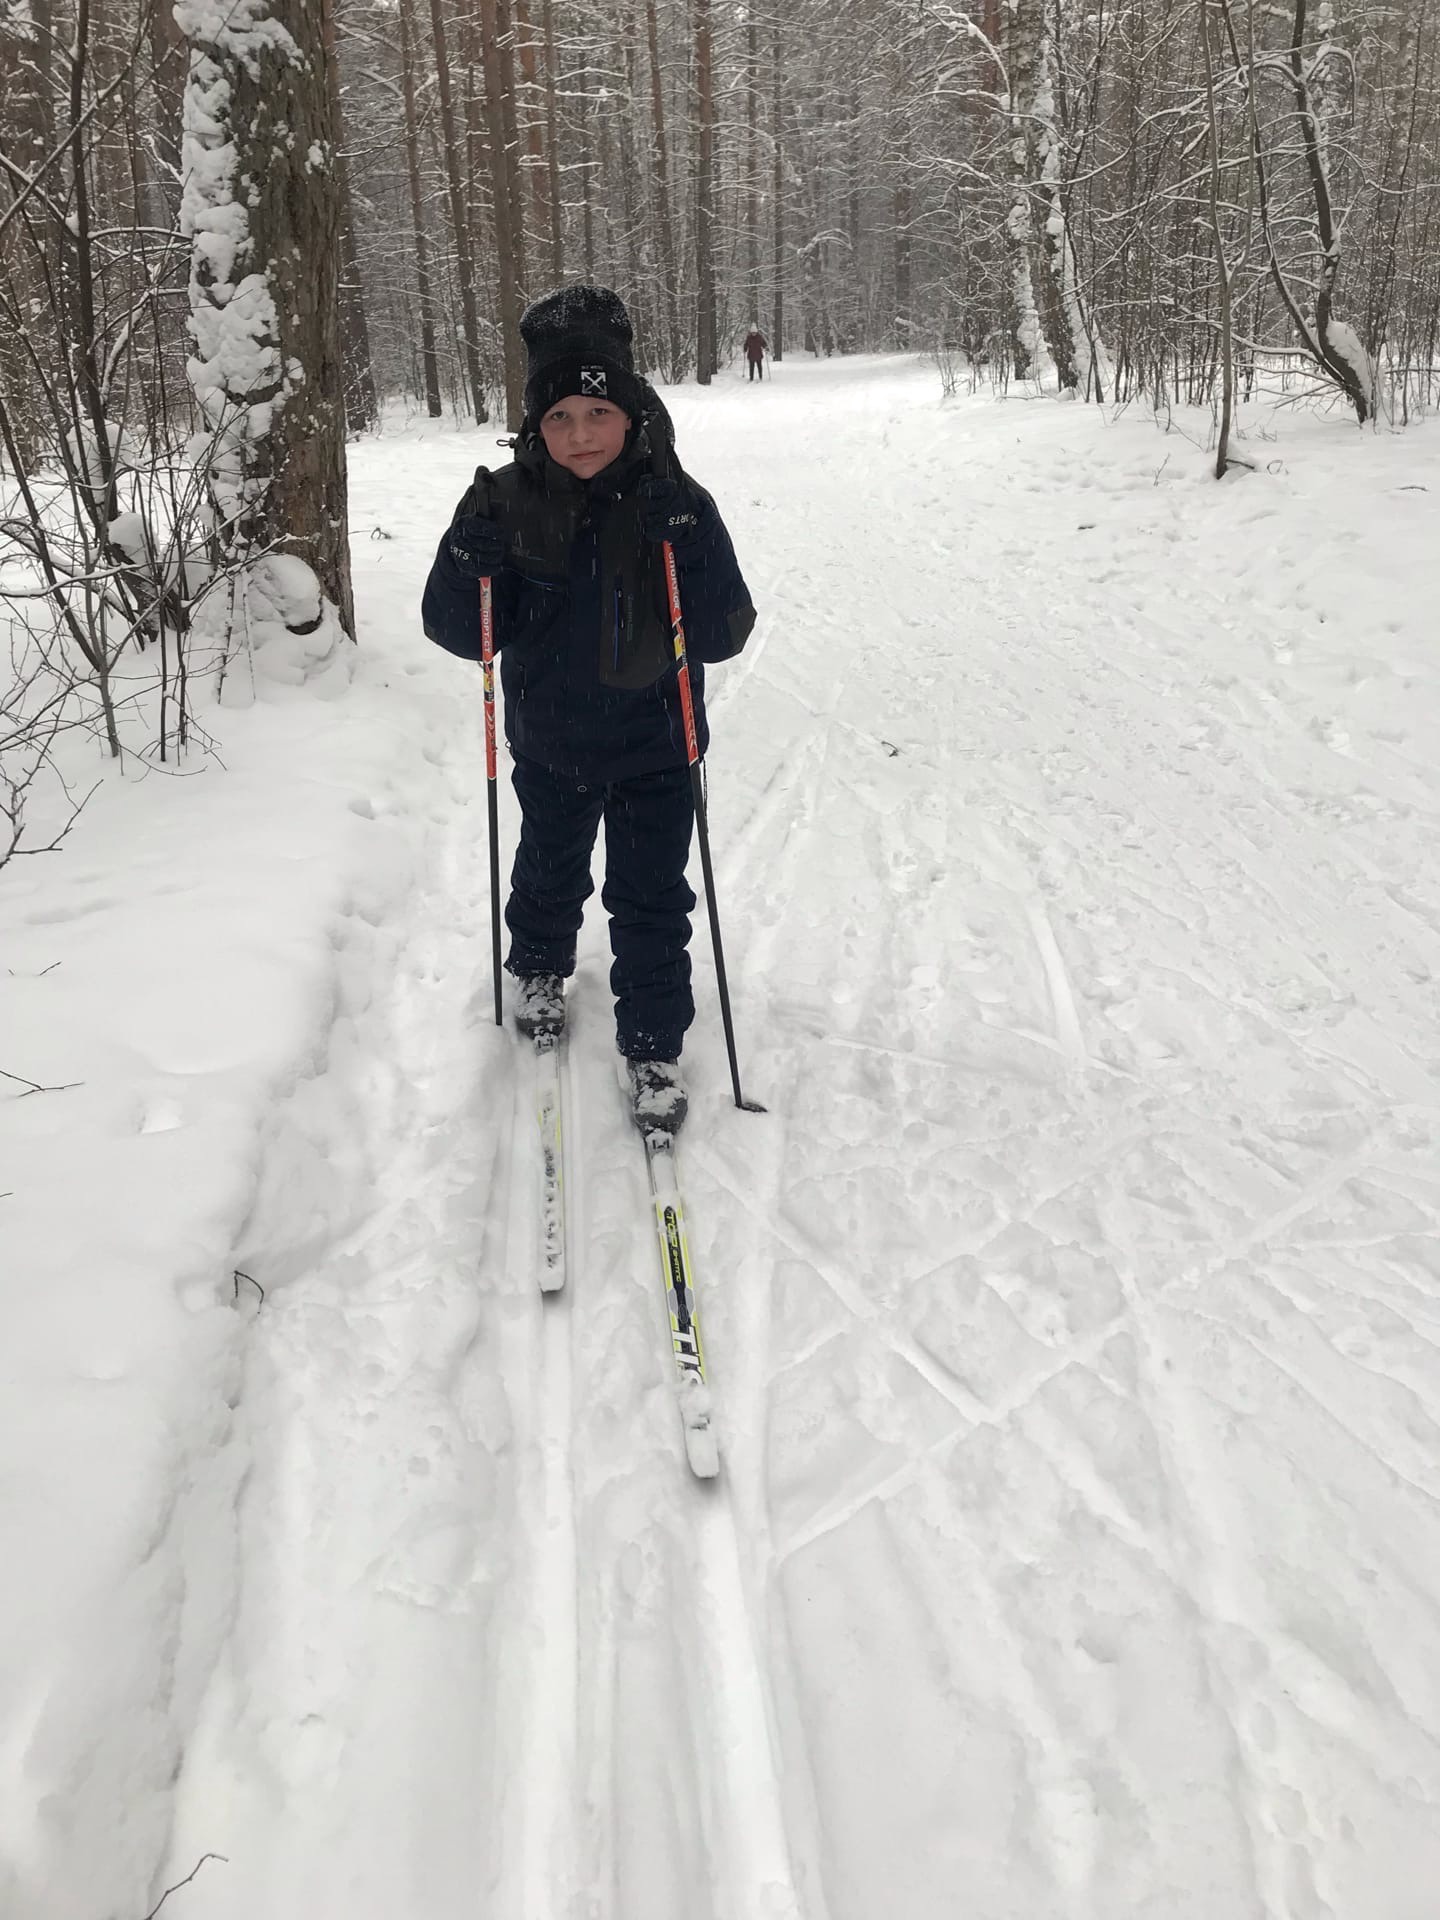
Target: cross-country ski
[(682, 1306), (549, 1112)]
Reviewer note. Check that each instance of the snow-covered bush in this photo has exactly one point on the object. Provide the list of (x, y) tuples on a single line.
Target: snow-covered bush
[(276, 628)]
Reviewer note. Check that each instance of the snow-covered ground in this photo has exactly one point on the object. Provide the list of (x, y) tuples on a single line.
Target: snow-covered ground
[(1073, 1314)]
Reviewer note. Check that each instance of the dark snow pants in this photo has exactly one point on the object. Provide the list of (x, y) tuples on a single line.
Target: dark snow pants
[(648, 821), (757, 369)]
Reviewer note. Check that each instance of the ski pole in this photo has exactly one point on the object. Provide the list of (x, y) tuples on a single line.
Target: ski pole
[(487, 662), (697, 789)]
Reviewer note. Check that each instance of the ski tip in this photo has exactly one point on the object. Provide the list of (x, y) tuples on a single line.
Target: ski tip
[(552, 1279), (702, 1452), (701, 1448)]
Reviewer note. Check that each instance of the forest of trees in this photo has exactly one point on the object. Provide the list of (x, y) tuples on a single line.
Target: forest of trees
[(1012, 181), (1008, 183), (230, 232)]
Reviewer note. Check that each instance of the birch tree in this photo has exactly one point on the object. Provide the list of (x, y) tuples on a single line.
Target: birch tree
[(1054, 268), (1315, 81)]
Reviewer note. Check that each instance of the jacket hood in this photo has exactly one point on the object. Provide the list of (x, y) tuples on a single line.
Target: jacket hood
[(650, 444)]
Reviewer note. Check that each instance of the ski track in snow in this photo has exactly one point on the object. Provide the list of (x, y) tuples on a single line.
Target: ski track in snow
[(1072, 1312), (538, 1793)]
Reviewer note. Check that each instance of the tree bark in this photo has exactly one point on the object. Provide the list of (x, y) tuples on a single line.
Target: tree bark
[(507, 258), (429, 360), (534, 167), (777, 135), (362, 403), (1222, 263), (1036, 203), (1336, 350), (902, 211), (552, 148), (1311, 333), (675, 360), (632, 208), (509, 113), (706, 359), (459, 215), (752, 169), (27, 117), (587, 173), (264, 309)]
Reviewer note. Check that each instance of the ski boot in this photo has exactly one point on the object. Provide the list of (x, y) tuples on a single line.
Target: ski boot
[(540, 1013), (658, 1101)]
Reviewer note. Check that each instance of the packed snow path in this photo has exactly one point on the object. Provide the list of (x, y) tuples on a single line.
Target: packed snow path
[(1073, 1314)]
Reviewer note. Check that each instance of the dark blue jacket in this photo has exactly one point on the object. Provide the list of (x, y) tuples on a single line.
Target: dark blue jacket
[(582, 622)]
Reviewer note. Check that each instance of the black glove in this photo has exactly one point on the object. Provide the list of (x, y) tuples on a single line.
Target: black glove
[(672, 510), (476, 546)]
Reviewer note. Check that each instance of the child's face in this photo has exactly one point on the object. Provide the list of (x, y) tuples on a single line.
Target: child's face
[(584, 436)]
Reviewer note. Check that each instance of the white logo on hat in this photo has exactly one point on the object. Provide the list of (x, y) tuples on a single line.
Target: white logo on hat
[(592, 381)]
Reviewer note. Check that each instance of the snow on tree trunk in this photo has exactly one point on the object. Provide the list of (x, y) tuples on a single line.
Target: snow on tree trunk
[(1316, 88), (1059, 311), (261, 209), (1026, 333)]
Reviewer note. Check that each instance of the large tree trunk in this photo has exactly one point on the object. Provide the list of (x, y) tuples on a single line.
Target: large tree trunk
[(1222, 259), (777, 137), (459, 213), (429, 358), (1336, 348), (534, 166), (262, 211), (1066, 326), (510, 118), (675, 354), (1340, 348), (587, 172), (633, 209), (501, 184), (28, 121), (706, 359), (362, 404), (902, 208), (1036, 280), (552, 148), (752, 170), (605, 118)]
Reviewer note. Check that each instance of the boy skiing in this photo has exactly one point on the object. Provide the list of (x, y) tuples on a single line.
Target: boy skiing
[(571, 535), (756, 346)]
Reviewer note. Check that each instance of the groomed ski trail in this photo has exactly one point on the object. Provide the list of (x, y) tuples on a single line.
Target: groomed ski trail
[(1070, 1317), (417, 1424), (751, 1854), (537, 1782)]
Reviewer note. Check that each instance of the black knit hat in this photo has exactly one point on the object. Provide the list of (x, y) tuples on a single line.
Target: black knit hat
[(579, 340)]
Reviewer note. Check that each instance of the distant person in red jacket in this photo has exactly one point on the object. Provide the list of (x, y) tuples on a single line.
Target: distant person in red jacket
[(755, 348)]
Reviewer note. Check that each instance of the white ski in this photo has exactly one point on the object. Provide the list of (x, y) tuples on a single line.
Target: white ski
[(692, 1390), (548, 1112)]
